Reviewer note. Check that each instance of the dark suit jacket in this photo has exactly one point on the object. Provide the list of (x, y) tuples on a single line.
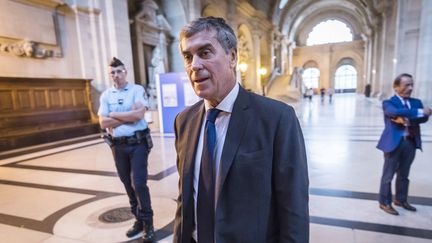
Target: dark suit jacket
[(263, 190), (394, 132)]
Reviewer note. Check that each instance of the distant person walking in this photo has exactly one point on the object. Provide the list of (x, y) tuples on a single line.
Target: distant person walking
[(309, 93), (322, 93), (330, 92)]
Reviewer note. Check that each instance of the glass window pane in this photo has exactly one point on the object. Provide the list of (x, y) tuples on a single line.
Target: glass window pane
[(346, 78), (319, 34), (311, 77)]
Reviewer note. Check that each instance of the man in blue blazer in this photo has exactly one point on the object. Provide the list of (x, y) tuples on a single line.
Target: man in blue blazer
[(260, 190), (399, 141)]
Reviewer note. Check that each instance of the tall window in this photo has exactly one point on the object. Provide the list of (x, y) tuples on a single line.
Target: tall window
[(311, 77), (330, 31), (282, 4), (346, 79)]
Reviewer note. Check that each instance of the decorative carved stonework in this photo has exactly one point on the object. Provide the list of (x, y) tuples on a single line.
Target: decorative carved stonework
[(151, 38), (243, 48), (26, 48), (148, 12)]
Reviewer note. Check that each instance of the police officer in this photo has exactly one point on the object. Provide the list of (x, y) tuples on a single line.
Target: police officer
[(121, 114)]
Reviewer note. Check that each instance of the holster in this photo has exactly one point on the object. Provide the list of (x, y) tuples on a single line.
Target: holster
[(139, 137)]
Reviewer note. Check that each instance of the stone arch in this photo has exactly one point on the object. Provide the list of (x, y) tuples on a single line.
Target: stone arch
[(351, 58), (211, 10), (299, 23), (309, 24), (346, 61), (310, 64), (303, 35), (297, 20)]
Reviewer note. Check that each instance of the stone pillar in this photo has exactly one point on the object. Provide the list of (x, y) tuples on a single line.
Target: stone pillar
[(423, 82), (388, 67), (118, 32), (377, 53), (367, 68), (284, 55), (276, 49), (272, 50), (177, 20), (257, 64), (289, 66)]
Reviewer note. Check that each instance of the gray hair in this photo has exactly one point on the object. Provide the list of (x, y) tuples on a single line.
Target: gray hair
[(224, 33)]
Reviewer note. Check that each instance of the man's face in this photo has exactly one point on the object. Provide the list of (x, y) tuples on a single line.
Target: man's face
[(210, 69), (405, 87), (118, 75)]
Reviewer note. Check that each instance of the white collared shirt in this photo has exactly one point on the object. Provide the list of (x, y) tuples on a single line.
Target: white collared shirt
[(419, 111), (221, 123)]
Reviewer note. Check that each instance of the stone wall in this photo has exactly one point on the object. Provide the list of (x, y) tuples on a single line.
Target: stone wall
[(328, 57)]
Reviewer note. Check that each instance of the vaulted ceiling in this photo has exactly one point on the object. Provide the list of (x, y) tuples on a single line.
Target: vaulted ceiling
[(296, 18)]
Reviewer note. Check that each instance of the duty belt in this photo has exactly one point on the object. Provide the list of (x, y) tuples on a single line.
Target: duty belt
[(137, 138)]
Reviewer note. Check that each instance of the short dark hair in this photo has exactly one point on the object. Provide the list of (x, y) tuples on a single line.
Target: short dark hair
[(224, 33), (115, 62), (398, 79)]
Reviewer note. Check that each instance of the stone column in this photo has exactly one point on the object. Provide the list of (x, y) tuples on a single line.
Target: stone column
[(289, 66), (284, 55), (276, 49), (118, 33), (377, 53), (423, 82), (367, 68), (257, 64), (388, 67)]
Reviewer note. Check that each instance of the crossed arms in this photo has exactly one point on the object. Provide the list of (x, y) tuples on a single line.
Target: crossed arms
[(115, 119), (406, 116)]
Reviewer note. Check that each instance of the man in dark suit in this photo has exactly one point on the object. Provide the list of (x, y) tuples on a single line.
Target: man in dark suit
[(399, 141), (257, 190)]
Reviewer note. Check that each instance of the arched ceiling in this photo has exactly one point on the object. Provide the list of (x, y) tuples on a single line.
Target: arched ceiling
[(297, 18)]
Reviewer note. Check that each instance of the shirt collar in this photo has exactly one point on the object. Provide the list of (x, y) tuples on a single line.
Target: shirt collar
[(402, 99), (126, 87), (227, 103)]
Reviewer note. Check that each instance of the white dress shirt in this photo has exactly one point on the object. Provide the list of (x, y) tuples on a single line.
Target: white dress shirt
[(221, 123), (419, 111)]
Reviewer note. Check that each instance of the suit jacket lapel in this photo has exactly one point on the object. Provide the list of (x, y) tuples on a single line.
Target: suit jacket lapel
[(401, 102), (193, 130), (239, 120)]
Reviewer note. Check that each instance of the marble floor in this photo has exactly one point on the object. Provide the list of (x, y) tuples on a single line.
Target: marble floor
[(59, 195)]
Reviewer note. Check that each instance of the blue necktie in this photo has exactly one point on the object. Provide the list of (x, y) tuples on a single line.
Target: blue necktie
[(206, 184), (406, 103)]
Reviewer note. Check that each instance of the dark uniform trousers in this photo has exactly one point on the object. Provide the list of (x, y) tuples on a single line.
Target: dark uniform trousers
[(131, 163)]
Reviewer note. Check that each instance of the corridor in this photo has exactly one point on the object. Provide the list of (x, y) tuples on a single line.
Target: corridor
[(61, 195)]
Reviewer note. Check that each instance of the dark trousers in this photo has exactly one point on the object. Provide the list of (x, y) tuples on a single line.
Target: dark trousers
[(398, 161), (131, 163)]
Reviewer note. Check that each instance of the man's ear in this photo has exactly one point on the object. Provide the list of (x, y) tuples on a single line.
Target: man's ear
[(233, 58)]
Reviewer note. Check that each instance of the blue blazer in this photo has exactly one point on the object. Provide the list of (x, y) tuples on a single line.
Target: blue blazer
[(393, 132)]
